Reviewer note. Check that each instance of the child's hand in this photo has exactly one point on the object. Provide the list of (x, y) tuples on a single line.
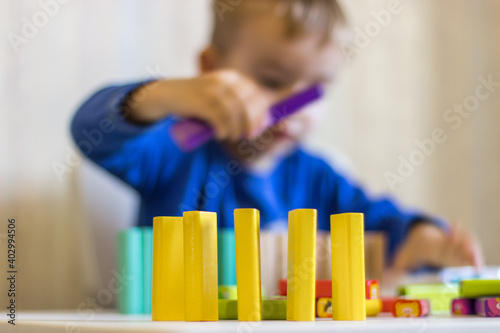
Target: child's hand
[(428, 245), (234, 105)]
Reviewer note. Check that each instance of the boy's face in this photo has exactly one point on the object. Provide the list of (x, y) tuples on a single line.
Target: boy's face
[(282, 65)]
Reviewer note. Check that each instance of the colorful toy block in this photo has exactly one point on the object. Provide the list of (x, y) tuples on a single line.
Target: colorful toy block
[(488, 306), (200, 266), (147, 260), (274, 309), (168, 268), (228, 292), (301, 270), (324, 307), (463, 306), (189, 134), (348, 267), (411, 308), (271, 309), (373, 307), (439, 295), (324, 288), (479, 288), (388, 303), (247, 236), (130, 264), (372, 289), (226, 257)]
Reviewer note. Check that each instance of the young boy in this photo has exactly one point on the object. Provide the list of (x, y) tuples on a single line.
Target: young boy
[(261, 52)]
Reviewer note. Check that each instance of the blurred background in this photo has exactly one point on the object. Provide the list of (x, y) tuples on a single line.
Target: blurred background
[(404, 76)]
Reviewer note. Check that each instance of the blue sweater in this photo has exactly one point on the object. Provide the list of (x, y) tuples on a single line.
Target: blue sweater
[(170, 182)]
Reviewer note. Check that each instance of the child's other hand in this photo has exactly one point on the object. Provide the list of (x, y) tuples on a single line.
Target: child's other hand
[(427, 244), (234, 105)]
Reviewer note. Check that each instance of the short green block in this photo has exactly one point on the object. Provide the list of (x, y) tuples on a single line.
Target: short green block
[(479, 288), (271, 309), (439, 295), (228, 292)]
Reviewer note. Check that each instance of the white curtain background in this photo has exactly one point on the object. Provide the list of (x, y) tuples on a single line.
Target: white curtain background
[(396, 89)]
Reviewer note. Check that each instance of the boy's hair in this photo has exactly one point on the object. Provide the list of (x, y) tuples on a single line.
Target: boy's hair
[(301, 16)]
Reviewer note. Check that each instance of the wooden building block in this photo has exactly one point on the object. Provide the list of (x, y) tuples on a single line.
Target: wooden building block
[(479, 288), (226, 257), (301, 271), (411, 308), (247, 240), (147, 259), (228, 292), (439, 295), (130, 264), (348, 267), (324, 307), (271, 309), (200, 266), (463, 306), (388, 303), (323, 288), (168, 269), (372, 289), (488, 306)]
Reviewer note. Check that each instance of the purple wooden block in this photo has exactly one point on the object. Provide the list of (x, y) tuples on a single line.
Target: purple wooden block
[(488, 306), (463, 306), (190, 134)]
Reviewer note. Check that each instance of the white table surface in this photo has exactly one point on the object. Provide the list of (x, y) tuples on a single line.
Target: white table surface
[(68, 322)]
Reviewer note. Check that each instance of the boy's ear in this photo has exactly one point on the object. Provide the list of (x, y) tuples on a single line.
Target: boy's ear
[(209, 59)]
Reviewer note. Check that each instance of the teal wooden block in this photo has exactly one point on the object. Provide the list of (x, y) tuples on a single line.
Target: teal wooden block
[(147, 255), (226, 257), (130, 265)]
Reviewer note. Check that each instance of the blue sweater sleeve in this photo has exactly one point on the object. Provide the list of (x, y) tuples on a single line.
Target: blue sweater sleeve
[(136, 154), (381, 214)]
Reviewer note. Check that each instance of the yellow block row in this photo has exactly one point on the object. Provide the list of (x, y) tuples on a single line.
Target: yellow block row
[(185, 266)]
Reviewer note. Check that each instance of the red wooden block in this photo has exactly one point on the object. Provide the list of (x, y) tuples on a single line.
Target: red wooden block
[(411, 308), (387, 303), (323, 288)]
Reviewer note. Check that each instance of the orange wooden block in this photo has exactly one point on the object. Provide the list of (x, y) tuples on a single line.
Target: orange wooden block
[(411, 308)]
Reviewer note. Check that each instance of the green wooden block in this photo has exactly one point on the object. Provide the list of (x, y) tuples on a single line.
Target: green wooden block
[(271, 309), (439, 295), (478, 288), (228, 292), (231, 292), (228, 309), (130, 265), (147, 255), (226, 257), (274, 309)]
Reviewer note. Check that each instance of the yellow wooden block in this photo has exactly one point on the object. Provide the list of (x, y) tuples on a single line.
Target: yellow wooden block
[(200, 266), (168, 269), (348, 267), (301, 271), (247, 239)]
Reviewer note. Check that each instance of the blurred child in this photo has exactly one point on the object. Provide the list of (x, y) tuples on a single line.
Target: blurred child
[(261, 51)]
